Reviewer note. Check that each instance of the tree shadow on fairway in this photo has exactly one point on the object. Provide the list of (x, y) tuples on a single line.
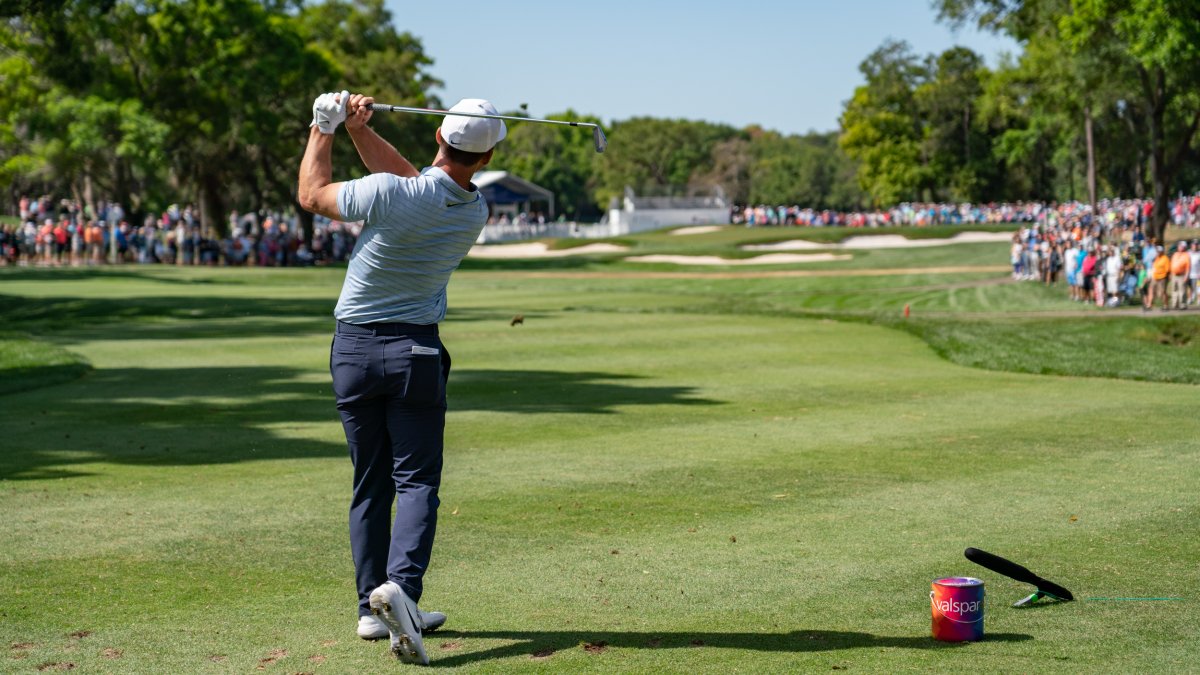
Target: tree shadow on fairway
[(553, 391), (542, 644), (166, 417), (219, 415), (179, 317)]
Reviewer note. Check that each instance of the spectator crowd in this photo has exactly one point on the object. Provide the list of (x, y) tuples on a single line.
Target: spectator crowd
[(1108, 212), (1110, 266), (63, 233)]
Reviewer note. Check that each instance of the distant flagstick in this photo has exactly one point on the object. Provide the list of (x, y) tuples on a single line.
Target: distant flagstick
[(597, 133)]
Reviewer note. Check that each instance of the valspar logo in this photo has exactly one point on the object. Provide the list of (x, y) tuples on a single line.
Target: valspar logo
[(951, 606)]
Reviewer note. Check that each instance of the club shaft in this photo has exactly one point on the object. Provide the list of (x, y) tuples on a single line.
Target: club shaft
[(383, 107)]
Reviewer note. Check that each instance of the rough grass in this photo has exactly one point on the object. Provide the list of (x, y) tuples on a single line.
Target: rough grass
[(649, 475), (1153, 349)]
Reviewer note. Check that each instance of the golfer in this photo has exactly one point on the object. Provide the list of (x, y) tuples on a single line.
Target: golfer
[(388, 364)]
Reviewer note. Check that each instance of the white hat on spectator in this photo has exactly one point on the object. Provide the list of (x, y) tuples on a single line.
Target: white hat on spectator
[(473, 134)]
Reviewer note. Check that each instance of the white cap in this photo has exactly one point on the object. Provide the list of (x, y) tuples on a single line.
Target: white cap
[(473, 134)]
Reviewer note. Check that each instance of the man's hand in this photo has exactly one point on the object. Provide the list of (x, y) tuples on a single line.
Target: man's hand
[(329, 110), (358, 112)]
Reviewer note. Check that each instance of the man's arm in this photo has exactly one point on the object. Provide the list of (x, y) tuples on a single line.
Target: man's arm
[(377, 154), (317, 192)]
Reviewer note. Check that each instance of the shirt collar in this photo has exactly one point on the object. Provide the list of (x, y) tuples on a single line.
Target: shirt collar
[(445, 179)]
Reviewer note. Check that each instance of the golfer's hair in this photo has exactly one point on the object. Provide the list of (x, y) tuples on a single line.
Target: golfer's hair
[(462, 156)]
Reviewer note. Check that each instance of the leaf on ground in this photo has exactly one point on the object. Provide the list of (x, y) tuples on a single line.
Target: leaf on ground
[(733, 540), (112, 653), (595, 647), (1073, 518)]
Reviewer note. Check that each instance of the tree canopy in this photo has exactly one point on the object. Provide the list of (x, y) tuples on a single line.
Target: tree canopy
[(148, 102)]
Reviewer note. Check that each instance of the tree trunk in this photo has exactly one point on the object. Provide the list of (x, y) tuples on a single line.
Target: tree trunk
[(1091, 157), (1156, 107), (212, 206)]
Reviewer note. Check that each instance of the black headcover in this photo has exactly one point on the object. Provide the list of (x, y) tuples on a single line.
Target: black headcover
[(1011, 569)]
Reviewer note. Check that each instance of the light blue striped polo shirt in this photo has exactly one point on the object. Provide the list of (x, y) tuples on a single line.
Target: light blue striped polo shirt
[(415, 233)]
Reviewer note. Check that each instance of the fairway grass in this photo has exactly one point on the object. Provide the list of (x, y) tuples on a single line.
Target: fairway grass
[(648, 475)]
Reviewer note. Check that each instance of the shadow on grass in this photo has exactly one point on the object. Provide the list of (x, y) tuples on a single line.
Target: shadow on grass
[(14, 380), (102, 272), (187, 317), (580, 262), (552, 391), (220, 415), (543, 644)]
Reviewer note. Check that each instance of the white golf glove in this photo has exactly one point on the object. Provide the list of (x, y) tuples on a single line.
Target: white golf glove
[(329, 110)]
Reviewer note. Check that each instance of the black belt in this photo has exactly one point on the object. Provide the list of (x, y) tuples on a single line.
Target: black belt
[(394, 329)]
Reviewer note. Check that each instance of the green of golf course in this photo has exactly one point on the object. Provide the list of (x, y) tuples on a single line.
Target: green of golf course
[(662, 469)]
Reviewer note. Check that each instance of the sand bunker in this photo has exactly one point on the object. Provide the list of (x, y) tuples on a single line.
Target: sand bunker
[(539, 250), (877, 241), (769, 259), (697, 229)]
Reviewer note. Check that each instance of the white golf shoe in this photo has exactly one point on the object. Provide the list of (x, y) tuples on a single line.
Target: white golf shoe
[(371, 627), (392, 605)]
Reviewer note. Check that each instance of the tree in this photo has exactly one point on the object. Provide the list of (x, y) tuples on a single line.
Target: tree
[(881, 128), (657, 156), (1143, 54), (560, 158), (206, 101)]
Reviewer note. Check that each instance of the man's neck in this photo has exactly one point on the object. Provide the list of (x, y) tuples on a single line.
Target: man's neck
[(458, 173)]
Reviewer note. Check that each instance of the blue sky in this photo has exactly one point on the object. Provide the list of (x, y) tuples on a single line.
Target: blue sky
[(787, 66)]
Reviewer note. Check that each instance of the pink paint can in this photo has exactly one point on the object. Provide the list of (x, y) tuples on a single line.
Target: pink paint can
[(957, 604)]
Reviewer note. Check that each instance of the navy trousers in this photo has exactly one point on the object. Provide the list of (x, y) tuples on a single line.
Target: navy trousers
[(389, 381)]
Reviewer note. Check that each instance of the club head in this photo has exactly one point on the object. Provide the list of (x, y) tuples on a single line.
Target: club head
[(598, 136)]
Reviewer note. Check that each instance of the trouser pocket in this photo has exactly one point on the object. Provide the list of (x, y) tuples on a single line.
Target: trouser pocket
[(420, 366)]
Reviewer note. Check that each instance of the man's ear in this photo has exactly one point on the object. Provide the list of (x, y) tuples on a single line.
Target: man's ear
[(437, 135), (487, 157)]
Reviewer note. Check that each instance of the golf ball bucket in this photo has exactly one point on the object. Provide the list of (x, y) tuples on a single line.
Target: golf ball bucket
[(957, 604)]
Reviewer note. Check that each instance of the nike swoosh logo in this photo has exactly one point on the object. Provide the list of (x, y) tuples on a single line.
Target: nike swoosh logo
[(451, 205)]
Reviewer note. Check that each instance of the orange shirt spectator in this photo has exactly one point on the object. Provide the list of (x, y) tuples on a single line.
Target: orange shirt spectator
[(1181, 264), (1162, 267)]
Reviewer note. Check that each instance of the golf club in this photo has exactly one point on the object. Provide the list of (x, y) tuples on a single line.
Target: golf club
[(597, 132)]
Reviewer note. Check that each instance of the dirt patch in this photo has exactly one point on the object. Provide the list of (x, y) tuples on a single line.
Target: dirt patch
[(317, 658), (452, 645), (80, 634), (112, 653), (52, 666), (769, 259), (542, 654), (595, 647), (271, 657), (22, 645), (538, 250)]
